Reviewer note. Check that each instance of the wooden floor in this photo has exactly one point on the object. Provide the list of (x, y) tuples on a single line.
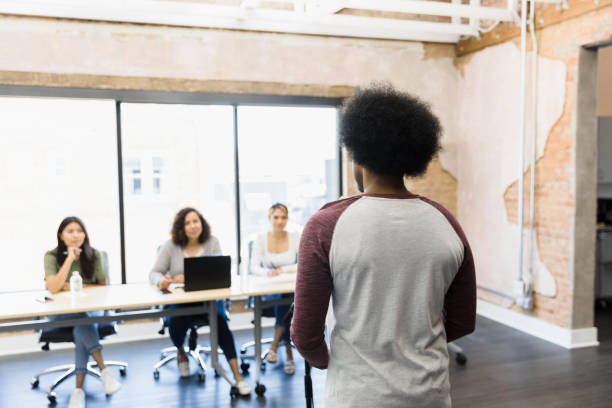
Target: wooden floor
[(506, 368)]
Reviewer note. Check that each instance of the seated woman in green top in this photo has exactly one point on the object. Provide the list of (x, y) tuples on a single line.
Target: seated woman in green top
[(73, 253)]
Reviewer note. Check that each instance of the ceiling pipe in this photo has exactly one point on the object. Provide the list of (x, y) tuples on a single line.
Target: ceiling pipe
[(528, 303), (432, 8)]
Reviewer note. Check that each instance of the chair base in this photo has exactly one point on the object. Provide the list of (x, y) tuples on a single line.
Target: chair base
[(68, 370), (170, 353), (244, 365), (460, 356)]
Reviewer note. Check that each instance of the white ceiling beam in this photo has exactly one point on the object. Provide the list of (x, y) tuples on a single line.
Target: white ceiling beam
[(228, 17), (456, 19), (315, 6), (250, 4)]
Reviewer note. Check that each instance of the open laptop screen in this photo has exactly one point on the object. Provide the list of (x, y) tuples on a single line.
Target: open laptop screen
[(207, 272)]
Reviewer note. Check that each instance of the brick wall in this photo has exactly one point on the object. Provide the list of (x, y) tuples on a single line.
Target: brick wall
[(555, 202)]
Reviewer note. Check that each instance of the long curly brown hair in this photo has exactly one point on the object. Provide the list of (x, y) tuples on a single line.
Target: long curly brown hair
[(178, 227)]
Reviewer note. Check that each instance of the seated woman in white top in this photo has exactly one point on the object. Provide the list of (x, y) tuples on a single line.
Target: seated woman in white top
[(275, 252)]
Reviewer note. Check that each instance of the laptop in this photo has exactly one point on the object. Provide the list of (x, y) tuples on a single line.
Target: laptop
[(207, 272)]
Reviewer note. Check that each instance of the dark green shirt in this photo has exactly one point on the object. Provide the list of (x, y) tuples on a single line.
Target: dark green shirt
[(52, 268)]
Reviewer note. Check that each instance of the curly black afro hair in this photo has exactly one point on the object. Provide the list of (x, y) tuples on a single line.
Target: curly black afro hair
[(389, 132)]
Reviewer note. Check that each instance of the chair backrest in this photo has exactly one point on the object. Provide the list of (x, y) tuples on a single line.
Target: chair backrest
[(250, 303), (104, 263), (250, 246)]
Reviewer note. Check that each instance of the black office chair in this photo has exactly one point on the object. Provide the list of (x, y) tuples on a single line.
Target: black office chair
[(64, 335), (460, 356), (193, 349), (266, 312)]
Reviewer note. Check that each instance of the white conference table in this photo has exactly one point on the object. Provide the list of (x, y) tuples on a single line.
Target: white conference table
[(134, 301)]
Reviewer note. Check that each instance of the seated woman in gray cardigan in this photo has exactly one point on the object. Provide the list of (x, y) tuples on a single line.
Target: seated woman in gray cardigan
[(191, 237)]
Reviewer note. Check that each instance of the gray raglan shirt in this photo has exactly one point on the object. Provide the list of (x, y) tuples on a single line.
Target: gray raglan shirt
[(401, 277)]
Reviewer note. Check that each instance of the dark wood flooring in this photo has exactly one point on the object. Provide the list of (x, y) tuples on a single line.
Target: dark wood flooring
[(506, 368)]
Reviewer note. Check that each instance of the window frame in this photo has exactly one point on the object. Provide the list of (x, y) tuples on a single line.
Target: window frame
[(183, 98)]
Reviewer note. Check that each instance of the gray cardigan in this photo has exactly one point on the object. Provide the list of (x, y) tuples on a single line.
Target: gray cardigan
[(170, 258)]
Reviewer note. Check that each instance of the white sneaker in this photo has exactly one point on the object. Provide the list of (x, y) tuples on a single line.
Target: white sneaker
[(243, 388), (77, 399), (111, 385), (271, 357), (183, 367), (289, 367)]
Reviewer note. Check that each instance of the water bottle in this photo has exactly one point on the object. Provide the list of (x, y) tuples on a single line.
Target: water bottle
[(76, 283)]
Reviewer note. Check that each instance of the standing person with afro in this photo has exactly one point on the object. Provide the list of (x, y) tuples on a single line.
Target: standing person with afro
[(397, 266)]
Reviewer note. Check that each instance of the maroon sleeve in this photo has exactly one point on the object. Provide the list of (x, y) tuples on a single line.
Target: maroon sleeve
[(314, 284), (460, 298)]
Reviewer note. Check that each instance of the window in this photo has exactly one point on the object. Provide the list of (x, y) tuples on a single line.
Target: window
[(58, 158), (187, 154), (287, 155)]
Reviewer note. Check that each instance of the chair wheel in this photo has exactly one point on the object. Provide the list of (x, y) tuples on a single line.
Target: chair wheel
[(234, 392), (34, 383), (156, 374), (52, 398), (461, 359), (260, 389), (245, 368), (201, 378)]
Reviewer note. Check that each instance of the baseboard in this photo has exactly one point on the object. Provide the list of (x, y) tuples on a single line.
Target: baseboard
[(568, 338), (138, 331)]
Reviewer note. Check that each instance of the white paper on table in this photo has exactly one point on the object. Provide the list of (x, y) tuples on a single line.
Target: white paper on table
[(283, 277)]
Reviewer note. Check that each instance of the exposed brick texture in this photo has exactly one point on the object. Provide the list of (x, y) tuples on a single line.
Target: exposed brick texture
[(555, 203)]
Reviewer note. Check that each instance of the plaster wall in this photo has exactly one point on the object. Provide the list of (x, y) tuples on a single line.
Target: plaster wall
[(489, 120), (285, 64), (564, 186)]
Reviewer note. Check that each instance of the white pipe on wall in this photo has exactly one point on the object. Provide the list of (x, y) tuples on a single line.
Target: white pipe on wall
[(534, 135), (522, 137), (426, 7), (474, 21)]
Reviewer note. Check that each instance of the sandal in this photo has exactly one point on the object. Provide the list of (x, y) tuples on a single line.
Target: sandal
[(289, 367), (271, 357), (243, 388), (183, 366)]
